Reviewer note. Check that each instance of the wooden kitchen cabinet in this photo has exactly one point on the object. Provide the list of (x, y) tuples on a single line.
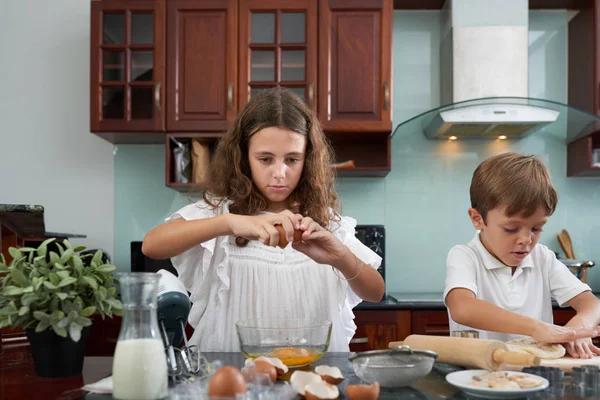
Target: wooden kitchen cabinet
[(355, 65), (430, 322), (580, 155), (376, 329), (278, 47), (127, 79), (201, 65)]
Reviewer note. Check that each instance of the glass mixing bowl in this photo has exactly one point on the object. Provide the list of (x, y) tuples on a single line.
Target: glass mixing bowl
[(295, 341)]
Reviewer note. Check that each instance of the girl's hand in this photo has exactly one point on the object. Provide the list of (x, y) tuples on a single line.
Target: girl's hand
[(548, 333), (262, 227), (318, 243)]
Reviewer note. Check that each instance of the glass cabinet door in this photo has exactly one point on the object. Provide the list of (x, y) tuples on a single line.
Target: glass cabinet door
[(278, 47), (129, 62)]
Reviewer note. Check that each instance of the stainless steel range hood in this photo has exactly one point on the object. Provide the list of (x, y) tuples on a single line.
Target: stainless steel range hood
[(484, 77)]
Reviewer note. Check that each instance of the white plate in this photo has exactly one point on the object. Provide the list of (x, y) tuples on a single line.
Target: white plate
[(462, 379)]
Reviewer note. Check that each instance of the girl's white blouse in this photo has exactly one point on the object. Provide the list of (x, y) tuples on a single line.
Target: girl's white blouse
[(230, 283)]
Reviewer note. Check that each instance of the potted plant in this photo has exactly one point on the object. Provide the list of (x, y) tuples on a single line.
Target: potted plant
[(52, 295)]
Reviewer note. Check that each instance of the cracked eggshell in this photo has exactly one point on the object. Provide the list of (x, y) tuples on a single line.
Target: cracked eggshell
[(363, 392), (277, 363), (321, 391), (329, 374), (301, 379), (266, 367), (283, 242)]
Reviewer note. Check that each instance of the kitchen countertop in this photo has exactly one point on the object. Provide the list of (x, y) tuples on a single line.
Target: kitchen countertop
[(19, 381)]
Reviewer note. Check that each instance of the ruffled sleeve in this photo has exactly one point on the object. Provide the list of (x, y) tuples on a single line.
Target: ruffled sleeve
[(203, 264), (344, 230)]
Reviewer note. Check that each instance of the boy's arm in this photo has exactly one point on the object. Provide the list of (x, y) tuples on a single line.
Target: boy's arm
[(587, 306), (467, 310)]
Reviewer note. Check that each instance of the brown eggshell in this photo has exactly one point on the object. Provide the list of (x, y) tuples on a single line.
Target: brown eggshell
[(363, 392), (283, 242), (329, 374), (321, 391), (265, 367), (227, 381)]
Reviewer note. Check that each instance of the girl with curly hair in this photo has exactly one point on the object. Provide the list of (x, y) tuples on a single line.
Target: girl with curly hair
[(271, 170)]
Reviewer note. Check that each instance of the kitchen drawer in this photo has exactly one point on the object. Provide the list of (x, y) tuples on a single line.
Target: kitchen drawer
[(430, 322), (376, 329)]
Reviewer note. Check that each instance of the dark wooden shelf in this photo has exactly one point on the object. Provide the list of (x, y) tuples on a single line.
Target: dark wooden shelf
[(212, 138), (579, 157), (533, 4)]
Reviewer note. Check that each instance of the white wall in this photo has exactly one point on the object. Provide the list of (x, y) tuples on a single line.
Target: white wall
[(47, 154)]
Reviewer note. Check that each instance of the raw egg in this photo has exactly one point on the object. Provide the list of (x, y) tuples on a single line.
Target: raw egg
[(283, 242), (228, 381)]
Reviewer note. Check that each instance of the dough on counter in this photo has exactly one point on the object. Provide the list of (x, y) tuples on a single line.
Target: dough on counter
[(544, 351), (504, 380)]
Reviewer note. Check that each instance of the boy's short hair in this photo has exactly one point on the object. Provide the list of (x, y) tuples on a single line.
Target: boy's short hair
[(520, 183)]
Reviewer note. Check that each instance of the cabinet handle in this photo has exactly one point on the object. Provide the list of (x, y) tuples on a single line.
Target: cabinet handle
[(230, 96), (359, 340), (386, 96), (311, 95), (157, 95)]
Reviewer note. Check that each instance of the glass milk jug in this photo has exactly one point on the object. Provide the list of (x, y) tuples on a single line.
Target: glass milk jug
[(140, 363)]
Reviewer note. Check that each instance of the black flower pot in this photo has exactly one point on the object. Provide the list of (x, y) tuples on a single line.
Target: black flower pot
[(55, 356)]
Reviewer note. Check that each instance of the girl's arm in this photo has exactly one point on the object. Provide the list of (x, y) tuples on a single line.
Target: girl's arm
[(365, 281), (173, 238)]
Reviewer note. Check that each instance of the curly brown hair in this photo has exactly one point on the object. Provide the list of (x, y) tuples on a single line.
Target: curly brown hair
[(230, 177)]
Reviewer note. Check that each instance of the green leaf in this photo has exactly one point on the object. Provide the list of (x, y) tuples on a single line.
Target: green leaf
[(63, 323), (78, 304), (8, 311), (102, 292), (36, 285), (15, 253), (78, 264), (62, 296), (50, 285), (26, 249), (112, 291), (79, 248), (67, 255), (42, 325), (54, 258), (23, 310), (62, 274), (88, 311), (61, 250), (90, 281), (41, 316), (28, 298), (59, 267), (114, 303), (67, 281), (43, 248), (67, 244), (84, 321), (40, 260), (59, 331), (106, 268), (97, 257), (54, 278), (12, 291), (18, 277), (28, 289), (75, 331)]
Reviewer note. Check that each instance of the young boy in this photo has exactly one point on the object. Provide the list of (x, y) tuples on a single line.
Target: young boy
[(502, 283)]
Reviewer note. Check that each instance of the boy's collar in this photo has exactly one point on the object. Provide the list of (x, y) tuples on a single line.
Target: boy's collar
[(491, 262)]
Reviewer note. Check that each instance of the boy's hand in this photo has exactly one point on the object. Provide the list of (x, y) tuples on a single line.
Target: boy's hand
[(582, 348), (548, 333)]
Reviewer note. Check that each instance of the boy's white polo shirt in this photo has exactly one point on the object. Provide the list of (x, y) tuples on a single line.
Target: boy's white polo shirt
[(539, 279)]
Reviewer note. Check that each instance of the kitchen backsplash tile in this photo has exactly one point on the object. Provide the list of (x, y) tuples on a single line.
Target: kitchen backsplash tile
[(423, 202)]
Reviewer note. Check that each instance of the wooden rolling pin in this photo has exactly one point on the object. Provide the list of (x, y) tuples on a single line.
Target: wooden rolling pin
[(468, 352)]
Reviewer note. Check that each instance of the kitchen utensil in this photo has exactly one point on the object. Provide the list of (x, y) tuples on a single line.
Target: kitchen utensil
[(468, 352), (567, 363), (578, 268), (397, 367), (565, 244), (295, 341), (463, 379)]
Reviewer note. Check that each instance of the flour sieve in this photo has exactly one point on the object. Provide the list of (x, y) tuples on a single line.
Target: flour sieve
[(396, 367)]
